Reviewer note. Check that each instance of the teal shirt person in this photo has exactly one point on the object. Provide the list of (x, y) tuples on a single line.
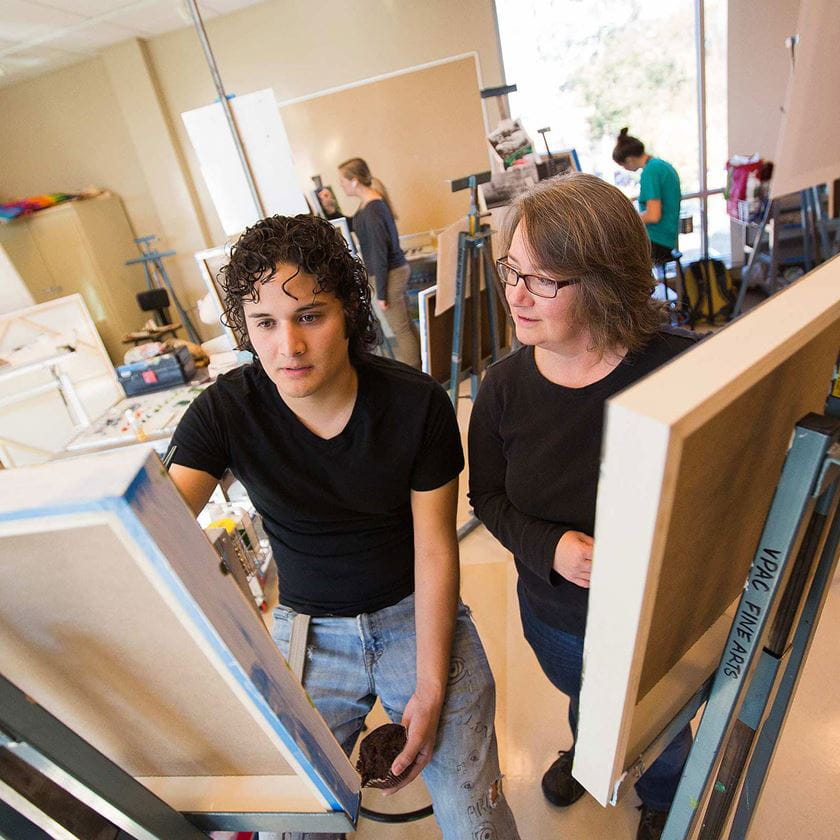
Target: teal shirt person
[(659, 198), (661, 182)]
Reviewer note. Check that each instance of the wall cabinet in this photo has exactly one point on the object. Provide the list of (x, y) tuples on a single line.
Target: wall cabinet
[(82, 246)]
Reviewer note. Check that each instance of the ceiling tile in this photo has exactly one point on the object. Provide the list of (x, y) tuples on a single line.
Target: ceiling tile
[(93, 24), (92, 38), (85, 8), (224, 7), (37, 60), (157, 18), (20, 21)]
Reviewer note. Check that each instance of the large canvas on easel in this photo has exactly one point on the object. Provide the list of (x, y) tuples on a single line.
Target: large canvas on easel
[(117, 618), (269, 158), (690, 462)]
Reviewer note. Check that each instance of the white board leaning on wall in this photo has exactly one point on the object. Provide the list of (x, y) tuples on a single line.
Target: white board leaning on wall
[(268, 151)]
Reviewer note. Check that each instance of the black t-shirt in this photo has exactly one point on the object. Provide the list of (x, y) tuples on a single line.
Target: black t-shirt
[(535, 450), (337, 511)]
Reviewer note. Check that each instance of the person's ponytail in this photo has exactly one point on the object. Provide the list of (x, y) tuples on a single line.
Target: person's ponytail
[(376, 184), (627, 146)]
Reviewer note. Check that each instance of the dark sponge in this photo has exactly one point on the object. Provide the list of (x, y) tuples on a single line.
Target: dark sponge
[(377, 753)]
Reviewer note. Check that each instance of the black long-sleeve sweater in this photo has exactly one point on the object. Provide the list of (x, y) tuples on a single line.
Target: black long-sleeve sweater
[(534, 451), (379, 241)]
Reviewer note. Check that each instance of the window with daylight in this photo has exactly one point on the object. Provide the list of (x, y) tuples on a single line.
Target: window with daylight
[(587, 68)]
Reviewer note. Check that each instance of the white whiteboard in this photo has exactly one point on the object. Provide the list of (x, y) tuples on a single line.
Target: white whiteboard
[(269, 154)]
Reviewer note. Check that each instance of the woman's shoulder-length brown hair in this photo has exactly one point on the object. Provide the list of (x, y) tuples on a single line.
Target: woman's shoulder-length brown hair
[(577, 225)]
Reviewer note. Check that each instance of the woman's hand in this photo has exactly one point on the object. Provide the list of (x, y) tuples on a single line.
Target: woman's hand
[(420, 718), (383, 304), (573, 557)]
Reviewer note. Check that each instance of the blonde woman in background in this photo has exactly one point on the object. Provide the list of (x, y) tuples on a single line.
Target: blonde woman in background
[(374, 224)]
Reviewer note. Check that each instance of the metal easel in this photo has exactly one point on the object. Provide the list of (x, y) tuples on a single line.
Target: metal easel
[(771, 634), (157, 278), (475, 253), (30, 733)]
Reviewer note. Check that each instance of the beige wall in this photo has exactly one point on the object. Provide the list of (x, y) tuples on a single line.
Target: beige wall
[(115, 121), (758, 72), (300, 48), (62, 132)]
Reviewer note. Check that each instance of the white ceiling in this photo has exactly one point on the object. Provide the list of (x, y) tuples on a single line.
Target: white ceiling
[(40, 35)]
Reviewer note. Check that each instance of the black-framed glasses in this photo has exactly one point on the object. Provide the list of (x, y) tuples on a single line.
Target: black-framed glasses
[(536, 284)]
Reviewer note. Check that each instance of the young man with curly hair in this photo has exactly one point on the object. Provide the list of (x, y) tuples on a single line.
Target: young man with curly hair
[(352, 460)]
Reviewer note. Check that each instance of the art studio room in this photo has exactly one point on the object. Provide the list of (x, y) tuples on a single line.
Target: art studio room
[(265, 265)]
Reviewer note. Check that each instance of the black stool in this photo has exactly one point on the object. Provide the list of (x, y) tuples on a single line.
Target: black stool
[(677, 308), (157, 301)]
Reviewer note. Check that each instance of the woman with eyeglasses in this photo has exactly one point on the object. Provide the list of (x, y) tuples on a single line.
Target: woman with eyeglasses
[(576, 277)]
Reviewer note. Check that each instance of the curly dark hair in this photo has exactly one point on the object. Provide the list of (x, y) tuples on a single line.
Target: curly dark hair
[(317, 248)]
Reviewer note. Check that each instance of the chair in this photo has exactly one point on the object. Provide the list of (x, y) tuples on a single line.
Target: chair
[(157, 301)]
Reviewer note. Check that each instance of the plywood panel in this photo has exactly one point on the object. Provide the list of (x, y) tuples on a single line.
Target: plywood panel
[(807, 153), (121, 624), (415, 130), (690, 461)]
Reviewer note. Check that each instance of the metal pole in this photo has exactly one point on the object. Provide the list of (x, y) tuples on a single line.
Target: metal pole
[(700, 50), (198, 23)]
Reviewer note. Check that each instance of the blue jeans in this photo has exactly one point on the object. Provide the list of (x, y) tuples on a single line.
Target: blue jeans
[(352, 661), (560, 656)]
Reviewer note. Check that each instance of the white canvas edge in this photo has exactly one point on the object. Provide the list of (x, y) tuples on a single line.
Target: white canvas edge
[(210, 284), (625, 530), (423, 310)]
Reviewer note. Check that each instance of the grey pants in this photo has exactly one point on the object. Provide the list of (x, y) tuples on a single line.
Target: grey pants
[(406, 341)]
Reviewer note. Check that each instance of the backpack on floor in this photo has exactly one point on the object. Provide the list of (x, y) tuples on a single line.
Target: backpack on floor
[(709, 292)]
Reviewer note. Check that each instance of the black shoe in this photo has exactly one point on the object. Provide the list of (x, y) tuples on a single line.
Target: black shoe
[(558, 785), (651, 824)]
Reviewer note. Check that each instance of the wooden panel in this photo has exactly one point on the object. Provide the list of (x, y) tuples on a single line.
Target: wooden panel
[(415, 130), (690, 461), (807, 152), (436, 333), (122, 625)]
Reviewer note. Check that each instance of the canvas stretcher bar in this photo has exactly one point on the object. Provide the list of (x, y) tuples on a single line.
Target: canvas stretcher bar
[(122, 626)]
